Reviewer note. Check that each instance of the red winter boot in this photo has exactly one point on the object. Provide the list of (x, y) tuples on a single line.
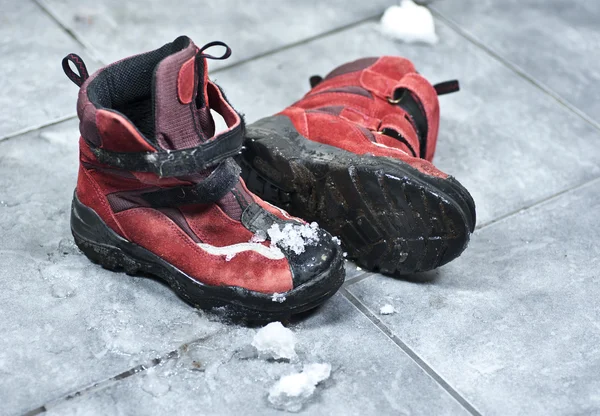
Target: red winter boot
[(355, 155), (159, 193)]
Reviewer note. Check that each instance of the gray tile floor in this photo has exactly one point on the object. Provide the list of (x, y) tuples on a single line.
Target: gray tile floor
[(511, 327)]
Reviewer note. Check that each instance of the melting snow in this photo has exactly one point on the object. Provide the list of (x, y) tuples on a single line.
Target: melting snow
[(276, 341), (278, 297), (154, 384), (387, 310), (229, 256), (292, 391), (336, 240), (409, 22), (294, 237), (259, 237)]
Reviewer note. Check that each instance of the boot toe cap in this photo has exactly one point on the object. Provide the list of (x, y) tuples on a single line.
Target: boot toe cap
[(315, 260)]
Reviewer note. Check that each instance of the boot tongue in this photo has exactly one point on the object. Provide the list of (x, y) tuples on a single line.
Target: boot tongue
[(181, 120)]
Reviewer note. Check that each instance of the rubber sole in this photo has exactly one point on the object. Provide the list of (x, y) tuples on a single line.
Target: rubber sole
[(103, 246), (390, 217)]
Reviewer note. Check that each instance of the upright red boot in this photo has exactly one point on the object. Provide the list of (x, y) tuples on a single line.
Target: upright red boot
[(355, 155), (159, 193)]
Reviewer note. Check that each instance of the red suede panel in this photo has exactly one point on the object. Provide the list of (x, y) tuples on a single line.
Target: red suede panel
[(404, 127), (382, 77), (326, 99), (186, 80), (392, 143), (393, 67), (157, 233), (426, 93), (331, 130), (108, 183), (298, 118), (361, 119), (220, 105), (118, 134), (352, 78), (213, 226), (150, 178), (90, 195)]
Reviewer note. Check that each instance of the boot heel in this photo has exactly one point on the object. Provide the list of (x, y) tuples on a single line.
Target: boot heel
[(98, 242)]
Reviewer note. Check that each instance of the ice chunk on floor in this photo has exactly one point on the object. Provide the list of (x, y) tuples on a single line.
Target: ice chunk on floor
[(387, 310), (275, 341), (409, 22), (154, 384), (292, 391), (294, 237)]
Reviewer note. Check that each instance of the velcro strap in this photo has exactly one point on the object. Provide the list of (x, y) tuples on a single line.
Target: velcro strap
[(181, 162), (350, 114), (400, 128), (214, 187)]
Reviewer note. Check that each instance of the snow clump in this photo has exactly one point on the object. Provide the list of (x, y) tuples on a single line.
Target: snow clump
[(278, 297), (259, 237), (292, 391), (294, 237), (387, 310), (409, 22), (275, 341)]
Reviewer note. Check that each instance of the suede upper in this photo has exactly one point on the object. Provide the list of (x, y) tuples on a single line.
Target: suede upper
[(379, 106), (152, 108)]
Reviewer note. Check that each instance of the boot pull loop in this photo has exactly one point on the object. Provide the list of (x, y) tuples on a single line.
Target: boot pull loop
[(226, 55), (82, 76), (446, 87)]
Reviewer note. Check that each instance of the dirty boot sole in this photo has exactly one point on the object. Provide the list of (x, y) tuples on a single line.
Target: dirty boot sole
[(390, 217), (105, 247)]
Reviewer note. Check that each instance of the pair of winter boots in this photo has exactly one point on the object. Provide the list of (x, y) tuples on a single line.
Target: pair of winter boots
[(160, 191)]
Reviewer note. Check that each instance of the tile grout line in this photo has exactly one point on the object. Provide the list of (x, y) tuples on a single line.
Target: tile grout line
[(514, 67), (89, 48), (37, 127), (299, 42), (102, 384), (538, 203), (95, 56), (411, 354)]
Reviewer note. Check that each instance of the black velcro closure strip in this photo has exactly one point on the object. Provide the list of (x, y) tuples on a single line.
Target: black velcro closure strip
[(396, 135), (214, 187), (177, 162), (447, 87), (413, 106)]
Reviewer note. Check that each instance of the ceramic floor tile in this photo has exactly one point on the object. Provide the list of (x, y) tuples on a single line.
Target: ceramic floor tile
[(554, 41), (33, 88), (514, 324), (114, 29), (222, 375), (66, 322)]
